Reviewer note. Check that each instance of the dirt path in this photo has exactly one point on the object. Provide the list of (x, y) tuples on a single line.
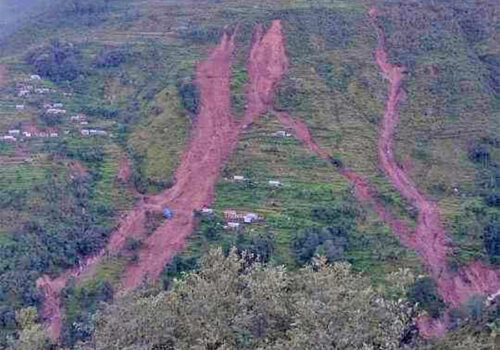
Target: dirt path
[(213, 140)]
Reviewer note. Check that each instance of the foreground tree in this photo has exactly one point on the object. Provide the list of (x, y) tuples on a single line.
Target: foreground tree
[(231, 304)]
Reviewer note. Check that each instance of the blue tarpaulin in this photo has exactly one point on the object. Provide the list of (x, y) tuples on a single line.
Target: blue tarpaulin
[(167, 213)]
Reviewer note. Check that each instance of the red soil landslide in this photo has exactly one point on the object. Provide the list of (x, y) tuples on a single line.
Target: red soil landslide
[(429, 238), (213, 140)]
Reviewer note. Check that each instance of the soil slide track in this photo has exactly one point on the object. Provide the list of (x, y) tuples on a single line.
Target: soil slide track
[(429, 238), (213, 140)]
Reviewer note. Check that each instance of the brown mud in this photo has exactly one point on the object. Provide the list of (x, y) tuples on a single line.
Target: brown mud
[(213, 140), (428, 239)]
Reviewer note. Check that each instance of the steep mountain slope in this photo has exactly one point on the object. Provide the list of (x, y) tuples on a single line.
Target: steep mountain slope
[(277, 112)]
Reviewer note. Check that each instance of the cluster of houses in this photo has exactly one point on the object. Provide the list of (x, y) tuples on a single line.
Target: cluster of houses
[(55, 108), (26, 90), (28, 132), (234, 218)]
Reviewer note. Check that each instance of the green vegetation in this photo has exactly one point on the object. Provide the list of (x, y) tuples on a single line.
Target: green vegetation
[(156, 143), (251, 306), (129, 66)]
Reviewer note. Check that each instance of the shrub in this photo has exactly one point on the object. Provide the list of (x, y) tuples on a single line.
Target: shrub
[(107, 58), (57, 61), (189, 96), (424, 292), (492, 241)]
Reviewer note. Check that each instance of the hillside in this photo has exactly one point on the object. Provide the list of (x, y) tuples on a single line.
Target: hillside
[(361, 132)]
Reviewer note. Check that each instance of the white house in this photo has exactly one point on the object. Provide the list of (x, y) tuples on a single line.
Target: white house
[(78, 117), (97, 132), (9, 138), (54, 134), (233, 224), (274, 183), (26, 134), (281, 133), (207, 211), (238, 178), (56, 111), (250, 217), (14, 132), (57, 105), (85, 132), (35, 77), (19, 107), (23, 93)]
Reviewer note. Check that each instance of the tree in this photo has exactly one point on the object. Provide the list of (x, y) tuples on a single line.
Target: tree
[(230, 304), (32, 335)]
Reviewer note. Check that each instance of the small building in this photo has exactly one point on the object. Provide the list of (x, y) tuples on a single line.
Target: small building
[(207, 211), (26, 134), (248, 218), (56, 111), (233, 224), (9, 138), (230, 214), (53, 134), (238, 178), (84, 123), (14, 132), (35, 77), (85, 132), (23, 93), (19, 107), (95, 132), (42, 91), (274, 183), (47, 105), (57, 105), (281, 133), (78, 117)]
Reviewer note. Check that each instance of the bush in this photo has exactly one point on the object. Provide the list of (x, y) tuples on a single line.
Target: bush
[(107, 58), (57, 61), (479, 153), (132, 244), (189, 96), (493, 200), (492, 241), (51, 119), (425, 294)]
